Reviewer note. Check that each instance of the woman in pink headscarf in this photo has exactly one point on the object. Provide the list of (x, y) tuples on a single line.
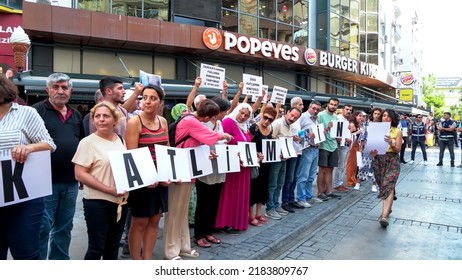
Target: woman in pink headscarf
[(233, 209)]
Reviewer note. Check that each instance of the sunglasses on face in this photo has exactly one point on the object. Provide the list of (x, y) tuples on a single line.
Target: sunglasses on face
[(265, 118)]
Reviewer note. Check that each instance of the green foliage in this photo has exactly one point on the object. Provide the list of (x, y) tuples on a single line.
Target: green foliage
[(431, 97)]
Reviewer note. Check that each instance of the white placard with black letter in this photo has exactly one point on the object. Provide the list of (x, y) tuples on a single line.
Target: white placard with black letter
[(271, 149), (339, 129), (318, 131), (132, 169), (359, 159), (278, 94), (172, 164), (252, 84), (287, 147), (248, 153), (200, 164), (26, 181), (228, 158), (212, 76)]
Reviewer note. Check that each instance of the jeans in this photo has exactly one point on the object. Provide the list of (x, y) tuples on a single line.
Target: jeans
[(288, 189), (340, 170), (276, 180), (422, 148), (447, 143), (19, 230), (56, 228), (306, 173), (103, 229)]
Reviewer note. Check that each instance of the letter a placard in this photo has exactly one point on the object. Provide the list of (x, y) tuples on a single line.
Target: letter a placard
[(23, 182), (132, 169)]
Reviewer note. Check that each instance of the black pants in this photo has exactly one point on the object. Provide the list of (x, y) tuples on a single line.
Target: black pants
[(403, 149), (208, 197), (104, 231)]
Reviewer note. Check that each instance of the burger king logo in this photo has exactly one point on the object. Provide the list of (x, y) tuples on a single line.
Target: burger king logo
[(407, 78), (212, 38), (310, 56)]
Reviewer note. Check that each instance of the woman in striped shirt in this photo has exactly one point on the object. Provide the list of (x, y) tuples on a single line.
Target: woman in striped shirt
[(22, 132)]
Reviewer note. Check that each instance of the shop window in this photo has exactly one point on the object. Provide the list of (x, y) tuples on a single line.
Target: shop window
[(248, 7), (285, 11), (284, 33), (301, 13), (230, 4), (267, 9), (267, 29), (248, 25), (229, 21), (94, 5)]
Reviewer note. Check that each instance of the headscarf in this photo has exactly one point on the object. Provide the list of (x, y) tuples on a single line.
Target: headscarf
[(243, 126), (178, 110)]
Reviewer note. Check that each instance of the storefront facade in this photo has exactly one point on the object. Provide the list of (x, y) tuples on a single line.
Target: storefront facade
[(89, 44)]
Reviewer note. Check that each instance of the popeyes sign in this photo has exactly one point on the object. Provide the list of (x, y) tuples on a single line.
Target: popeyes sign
[(213, 40), (243, 44)]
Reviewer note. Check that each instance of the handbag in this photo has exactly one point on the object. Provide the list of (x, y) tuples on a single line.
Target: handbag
[(254, 172)]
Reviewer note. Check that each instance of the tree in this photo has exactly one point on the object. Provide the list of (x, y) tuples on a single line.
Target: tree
[(431, 97)]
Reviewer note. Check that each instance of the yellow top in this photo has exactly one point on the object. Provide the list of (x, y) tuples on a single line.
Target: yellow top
[(393, 134)]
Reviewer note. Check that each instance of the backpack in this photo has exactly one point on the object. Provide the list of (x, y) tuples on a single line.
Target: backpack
[(172, 132)]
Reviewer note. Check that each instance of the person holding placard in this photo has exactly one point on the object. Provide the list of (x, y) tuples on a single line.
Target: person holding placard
[(259, 186), (105, 210), (387, 166), (233, 208), (177, 241), (22, 131), (147, 204), (351, 170), (328, 151), (281, 128), (209, 188)]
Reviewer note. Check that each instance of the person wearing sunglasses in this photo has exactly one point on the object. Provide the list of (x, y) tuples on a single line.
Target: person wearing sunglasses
[(418, 132), (259, 186)]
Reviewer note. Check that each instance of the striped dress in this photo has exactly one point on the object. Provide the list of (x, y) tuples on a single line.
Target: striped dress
[(146, 202)]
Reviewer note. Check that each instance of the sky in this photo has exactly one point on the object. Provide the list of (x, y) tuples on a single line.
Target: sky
[(441, 37)]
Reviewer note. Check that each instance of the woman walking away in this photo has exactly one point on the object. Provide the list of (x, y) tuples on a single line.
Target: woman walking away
[(387, 166)]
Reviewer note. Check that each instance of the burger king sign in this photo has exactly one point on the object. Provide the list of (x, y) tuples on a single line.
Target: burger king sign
[(406, 79)]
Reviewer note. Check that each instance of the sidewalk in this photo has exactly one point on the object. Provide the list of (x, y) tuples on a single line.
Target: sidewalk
[(262, 242)]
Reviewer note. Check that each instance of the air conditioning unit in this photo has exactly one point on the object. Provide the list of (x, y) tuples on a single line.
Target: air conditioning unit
[(400, 61), (385, 39), (394, 49)]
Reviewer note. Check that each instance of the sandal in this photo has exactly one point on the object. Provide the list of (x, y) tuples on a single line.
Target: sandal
[(192, 254), (212, 239), (202, 243), (383, 222), (254, 222), (261, 219)]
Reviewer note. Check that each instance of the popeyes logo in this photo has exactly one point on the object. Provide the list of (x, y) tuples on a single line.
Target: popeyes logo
[(310, 56), (407, 78), (212, 38)]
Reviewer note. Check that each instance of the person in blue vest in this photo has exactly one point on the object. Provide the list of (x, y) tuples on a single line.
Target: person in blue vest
[(446, 129), (418, 132)]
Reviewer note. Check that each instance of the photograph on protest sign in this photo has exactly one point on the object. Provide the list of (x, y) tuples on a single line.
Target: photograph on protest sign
[(212, 76), (21, 182), (147, 79), (252, 84), (278, 94), (305, 139), (132, 169)]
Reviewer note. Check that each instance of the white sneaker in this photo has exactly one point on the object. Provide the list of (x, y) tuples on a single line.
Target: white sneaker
[(306, 204), (281, 211), (411, 162), (317, 200), (425, 163), (272, 214), (374, 188), (357, 186)]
